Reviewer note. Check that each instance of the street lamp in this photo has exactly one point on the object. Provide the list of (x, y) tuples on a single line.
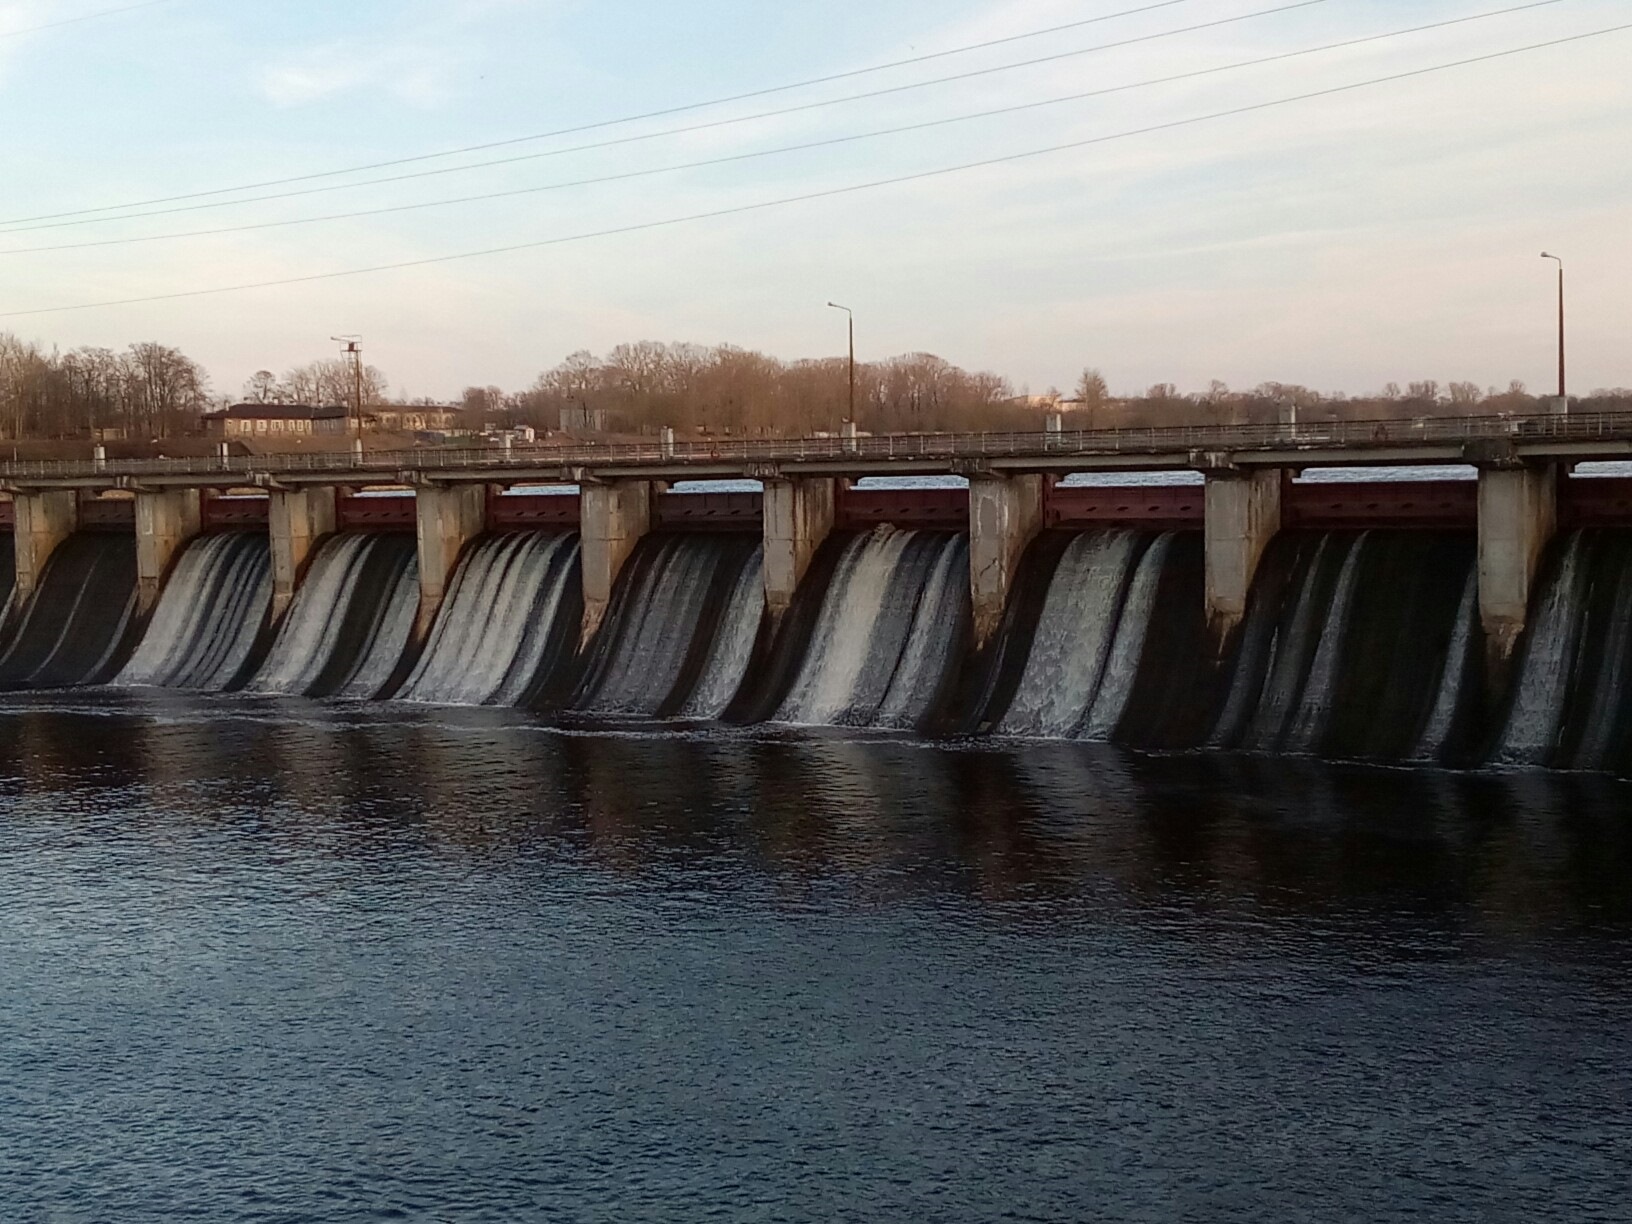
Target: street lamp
[(1561, 392), (852, 318)]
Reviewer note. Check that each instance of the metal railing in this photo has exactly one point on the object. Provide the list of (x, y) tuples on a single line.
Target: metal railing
[(1177, 441)]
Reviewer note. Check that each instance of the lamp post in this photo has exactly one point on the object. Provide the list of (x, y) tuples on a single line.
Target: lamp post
[(1563, 401), (852, 317)]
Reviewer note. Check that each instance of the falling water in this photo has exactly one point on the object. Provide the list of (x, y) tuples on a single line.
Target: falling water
[(498, 622), (663, 626), (865, 663), (733, 648), (74, 628), (208, 618), (345, 632), (1538, 708)]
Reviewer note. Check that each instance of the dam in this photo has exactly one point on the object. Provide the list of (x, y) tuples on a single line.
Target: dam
[(1240, 605)]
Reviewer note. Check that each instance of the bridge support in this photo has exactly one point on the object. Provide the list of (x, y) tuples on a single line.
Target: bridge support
[(613, 517), (1243, 513), (1518, 514), (43, 521), (165, 521), (1005, 515), (447, 518), (798, 517), (298, 520)]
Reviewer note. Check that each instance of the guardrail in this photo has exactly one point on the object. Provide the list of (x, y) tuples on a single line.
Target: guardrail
[(1358, 435)]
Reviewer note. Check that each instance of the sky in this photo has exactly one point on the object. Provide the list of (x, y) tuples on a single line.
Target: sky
[(1384, 233)]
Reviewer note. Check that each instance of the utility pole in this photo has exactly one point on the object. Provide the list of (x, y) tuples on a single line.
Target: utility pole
[(1562, 394), (354, 346), (852, 317)]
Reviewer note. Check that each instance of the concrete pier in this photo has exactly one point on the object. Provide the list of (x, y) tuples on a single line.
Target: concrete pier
[(165, 521), (447, 518), (613, 518), (1518, 515), (43, 521), (298, 520), (799, 514), (1243, 513), (1005, 515)]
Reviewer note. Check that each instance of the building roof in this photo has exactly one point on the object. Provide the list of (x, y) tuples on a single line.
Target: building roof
[(276, 412)]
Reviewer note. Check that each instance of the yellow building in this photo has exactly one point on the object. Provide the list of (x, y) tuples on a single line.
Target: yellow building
[(274, 421)]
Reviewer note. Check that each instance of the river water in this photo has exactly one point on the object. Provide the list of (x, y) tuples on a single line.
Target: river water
[(265, 960)]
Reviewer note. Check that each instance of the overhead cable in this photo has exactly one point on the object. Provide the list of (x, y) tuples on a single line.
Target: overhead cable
[(830, 192)]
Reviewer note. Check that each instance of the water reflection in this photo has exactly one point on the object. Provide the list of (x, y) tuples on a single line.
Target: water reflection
[(1005, 823)]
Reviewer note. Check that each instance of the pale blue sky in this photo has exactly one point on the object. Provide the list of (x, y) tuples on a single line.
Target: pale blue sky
[(1385, 234)]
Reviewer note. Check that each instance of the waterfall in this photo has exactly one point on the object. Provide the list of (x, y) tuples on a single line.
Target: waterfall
[(1538, 708), (1074, 637), (866, 663), (1122, 667), (663, 626), (1449, 694), (1315, 705), (74, 628), (499, 622), (345, 632), (733, 648), (208, 617)]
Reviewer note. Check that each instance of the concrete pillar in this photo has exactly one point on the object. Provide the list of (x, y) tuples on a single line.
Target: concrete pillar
[(43, 520), (298, 519), (613, 517), (1005, 515), (448, 518), (1243, 513), (165, 521), (798, 517), (1518, 514)]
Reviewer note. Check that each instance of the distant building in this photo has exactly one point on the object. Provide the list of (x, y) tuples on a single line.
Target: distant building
[(580, 418), (413, 418), (274, 421)]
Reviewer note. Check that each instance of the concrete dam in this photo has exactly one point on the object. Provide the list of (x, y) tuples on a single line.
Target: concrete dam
[(1434, 621)]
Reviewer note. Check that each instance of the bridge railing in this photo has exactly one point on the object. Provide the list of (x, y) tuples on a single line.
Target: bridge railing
[(1155, 440)]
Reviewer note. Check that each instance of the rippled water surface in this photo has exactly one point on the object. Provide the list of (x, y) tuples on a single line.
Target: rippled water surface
[(274, 961)]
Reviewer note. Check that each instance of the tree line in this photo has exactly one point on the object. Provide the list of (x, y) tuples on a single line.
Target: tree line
[(151, 390)]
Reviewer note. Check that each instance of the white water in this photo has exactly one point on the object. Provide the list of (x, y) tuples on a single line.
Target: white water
[(1449, 696), (733, 648), (863, 661), (646, 647), (1122, 667), (1289, 652), (1538, 709), (208, 616), (496, 621), (1315, 706), (1074, 636), (312, 631)]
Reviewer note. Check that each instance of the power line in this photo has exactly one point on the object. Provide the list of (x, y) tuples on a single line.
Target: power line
[(797, 148), (23, 224), (830, 192), (83, 17)]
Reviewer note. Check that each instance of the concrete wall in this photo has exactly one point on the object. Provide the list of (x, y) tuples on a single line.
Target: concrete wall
[(613, 518), (1005, 514), (165, 522), (447, 518), (43, 521), (297, 521), (798, 517), (1518, 514), (1242, 515)]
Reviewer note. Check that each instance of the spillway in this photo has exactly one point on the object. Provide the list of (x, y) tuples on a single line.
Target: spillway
[(208, 618), (678, 636), (1572, 699), (345, 633), (509, 620), (75, 628), (892, 625)]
